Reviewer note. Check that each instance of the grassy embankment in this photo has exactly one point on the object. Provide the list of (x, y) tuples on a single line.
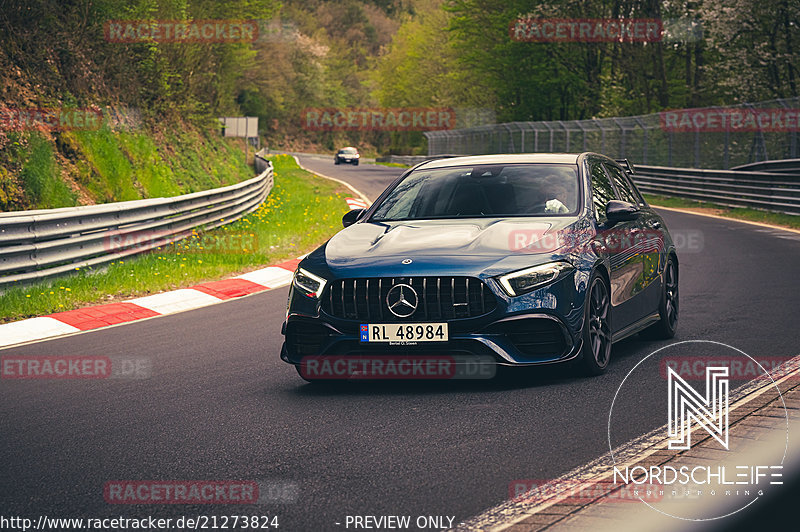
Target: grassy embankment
[(45, 170), (301, 212)]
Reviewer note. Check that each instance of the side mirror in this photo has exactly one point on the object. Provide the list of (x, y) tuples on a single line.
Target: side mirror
[(351, 217), (621, 211)]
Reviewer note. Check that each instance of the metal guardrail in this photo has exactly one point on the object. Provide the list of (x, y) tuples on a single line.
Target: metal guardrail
[(412, 160), (777, 192), (260, 162), (409, 160), (43, 243), (783, 166)]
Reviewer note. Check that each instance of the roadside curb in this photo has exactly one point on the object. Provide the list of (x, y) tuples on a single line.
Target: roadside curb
[(161, 304)]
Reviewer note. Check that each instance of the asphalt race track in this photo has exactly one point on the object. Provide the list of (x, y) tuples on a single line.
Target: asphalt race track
[(370, 179), (220, 405)]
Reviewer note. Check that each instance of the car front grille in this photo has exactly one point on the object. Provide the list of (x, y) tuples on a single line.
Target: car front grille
[(439, 298)]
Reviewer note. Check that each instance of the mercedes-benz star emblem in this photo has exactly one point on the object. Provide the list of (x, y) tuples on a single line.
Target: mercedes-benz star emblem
[(402, 300), (407, 261)]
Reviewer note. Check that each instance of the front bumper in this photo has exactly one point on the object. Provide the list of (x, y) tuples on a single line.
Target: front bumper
[(312, 337), (542, 327)]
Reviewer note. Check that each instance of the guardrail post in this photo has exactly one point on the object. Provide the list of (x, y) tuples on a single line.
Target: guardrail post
[(792, 134), (622, 139), (669, 148), (726, 163), (602, 138), (550, 129), (566, 135), (510, 137), (644, 139), (583, 130), (697, 149)]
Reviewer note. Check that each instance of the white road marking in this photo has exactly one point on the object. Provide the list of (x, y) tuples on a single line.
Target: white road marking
[(33, 329), (175, 301), (727, 219), (271, 277)]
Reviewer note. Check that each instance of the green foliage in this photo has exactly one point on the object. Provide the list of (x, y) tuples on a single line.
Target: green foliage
[(151, 172), (39, 175), (112, 176), (361, 53), (463, 53)]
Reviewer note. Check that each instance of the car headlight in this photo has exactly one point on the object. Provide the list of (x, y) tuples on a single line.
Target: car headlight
[(308, 283), (529, 279)]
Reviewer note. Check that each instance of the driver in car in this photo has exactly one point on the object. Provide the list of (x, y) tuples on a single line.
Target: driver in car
[(558, 199)]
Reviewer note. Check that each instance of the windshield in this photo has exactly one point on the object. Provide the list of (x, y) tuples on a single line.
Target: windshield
[(347, 150), (483, 191)]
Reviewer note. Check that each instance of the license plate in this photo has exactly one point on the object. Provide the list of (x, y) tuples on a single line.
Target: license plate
[(404, 333)]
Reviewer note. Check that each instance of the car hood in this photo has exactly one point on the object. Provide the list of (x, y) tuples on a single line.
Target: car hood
[(467, 247)]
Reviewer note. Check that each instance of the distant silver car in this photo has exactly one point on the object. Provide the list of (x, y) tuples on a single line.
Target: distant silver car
[(347, 155)]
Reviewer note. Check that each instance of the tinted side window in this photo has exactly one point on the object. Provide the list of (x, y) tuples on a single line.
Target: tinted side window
[(625, 192), (602, 191), (635, 190)]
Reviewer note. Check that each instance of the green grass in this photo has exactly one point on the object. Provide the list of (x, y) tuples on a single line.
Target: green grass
[(206, 161), (301, 212), (39, 176), (738, 213), (128, 165), (155, 178)]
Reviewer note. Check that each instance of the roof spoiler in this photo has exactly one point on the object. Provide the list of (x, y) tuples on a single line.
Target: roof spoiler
[(627, 165)]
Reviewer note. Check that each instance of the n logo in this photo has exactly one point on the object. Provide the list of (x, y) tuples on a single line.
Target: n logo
[(685, 405)]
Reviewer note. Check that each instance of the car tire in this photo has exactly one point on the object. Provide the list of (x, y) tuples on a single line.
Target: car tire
[(596, 334), (667, 324), (336, 161), (355, 163)]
